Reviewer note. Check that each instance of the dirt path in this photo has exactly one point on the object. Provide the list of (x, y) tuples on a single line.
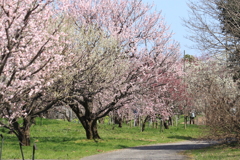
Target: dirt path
[(168, 151)]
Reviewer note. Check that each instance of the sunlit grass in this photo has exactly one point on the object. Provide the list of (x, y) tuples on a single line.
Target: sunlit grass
[(57, 139), (218, 152)]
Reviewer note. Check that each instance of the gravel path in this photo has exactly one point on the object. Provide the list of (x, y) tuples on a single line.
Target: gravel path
[(168, 151)]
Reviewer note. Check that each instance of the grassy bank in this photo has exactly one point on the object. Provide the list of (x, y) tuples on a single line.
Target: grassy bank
[(57, 139), (218, 152)]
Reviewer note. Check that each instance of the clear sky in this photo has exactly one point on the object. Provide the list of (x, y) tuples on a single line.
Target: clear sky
[(173, 11)]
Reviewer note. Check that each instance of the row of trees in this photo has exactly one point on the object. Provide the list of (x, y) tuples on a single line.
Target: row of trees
[(93, 56), (99, 57), (214, 79)]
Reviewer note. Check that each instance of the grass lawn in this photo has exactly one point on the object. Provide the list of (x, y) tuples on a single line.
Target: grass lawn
[(218, 152), (58, 139)]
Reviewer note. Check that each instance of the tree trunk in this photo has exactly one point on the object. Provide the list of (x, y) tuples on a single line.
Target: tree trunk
[(88, 130), (185, 121), (161, 125), (24, 137), (23, 133), (118, 120), (95, 131), (165, 125), (136, 121), (144, 123), (88, 121), (101, 120), (91, 129), (170, 121)]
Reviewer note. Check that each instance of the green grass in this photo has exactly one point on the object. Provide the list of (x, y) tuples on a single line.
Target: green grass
[(218, 152), (57, 139)]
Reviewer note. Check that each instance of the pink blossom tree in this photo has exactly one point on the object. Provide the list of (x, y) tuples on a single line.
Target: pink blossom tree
[(165, 93), (118, 47), (30, 56)]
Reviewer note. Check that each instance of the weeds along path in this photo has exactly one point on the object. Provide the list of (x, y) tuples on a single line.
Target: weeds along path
[(167, 151)]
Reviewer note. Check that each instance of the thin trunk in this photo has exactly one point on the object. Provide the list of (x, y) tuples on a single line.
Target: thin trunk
[(185, 122), (170, 121), (153, 124), (176, 120), (144, 123), (161, 125), (165, 125)]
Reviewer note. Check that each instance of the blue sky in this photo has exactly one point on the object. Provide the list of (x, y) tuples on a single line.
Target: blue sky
[(173, 11)]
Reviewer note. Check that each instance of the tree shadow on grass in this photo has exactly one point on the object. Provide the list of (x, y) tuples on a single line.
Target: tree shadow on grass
[(122, 146), (60, 139), (181, 137)]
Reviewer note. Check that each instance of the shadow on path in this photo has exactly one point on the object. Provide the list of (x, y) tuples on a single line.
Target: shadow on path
[(167, 151), (176, 147)]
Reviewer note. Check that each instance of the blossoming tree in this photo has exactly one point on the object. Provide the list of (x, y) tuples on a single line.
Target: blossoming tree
[(118, 47), (215, 94), (30, 53)]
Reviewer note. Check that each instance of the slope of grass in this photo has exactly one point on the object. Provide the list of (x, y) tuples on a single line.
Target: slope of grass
[(57, 139), (218, 152)]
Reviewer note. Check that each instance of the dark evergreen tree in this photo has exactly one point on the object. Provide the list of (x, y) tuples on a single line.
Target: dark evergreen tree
[(229, 16)]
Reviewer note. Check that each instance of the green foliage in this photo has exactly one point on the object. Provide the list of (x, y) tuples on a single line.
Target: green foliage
[(189, 58), (57, 139)]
